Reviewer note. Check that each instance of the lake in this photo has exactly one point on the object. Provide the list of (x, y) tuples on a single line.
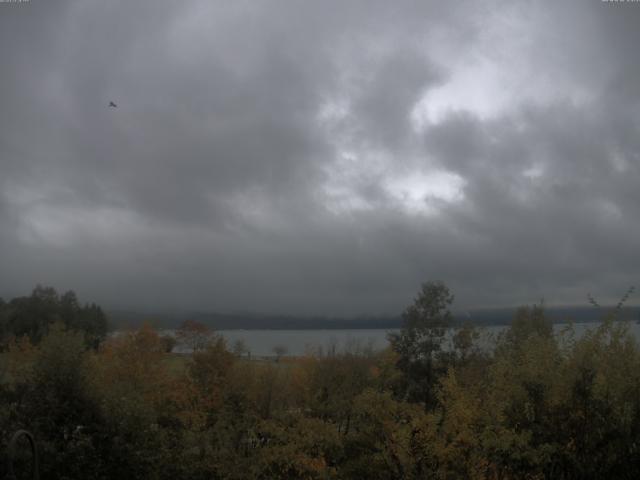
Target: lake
[(298, 342)]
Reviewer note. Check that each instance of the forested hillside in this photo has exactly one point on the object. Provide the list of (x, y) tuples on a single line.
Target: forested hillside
[(536, 406)]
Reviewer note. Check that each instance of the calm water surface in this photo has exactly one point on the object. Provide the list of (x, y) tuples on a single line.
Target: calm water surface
[(298, 342)]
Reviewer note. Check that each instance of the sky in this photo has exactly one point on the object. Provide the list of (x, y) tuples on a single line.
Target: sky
[(319, 158)]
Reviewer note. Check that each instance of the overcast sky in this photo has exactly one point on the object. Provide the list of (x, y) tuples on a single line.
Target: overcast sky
[(319, 157)]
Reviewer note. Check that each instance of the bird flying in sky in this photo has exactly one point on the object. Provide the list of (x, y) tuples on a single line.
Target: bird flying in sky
[(113, 105)]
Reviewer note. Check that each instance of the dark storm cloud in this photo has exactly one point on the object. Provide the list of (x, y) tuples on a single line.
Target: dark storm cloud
[(318, 157)]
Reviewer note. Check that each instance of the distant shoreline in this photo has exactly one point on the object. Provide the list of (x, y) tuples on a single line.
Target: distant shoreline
[(482, 318)]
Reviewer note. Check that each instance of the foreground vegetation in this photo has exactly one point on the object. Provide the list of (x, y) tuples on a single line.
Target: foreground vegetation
[(538, 405)]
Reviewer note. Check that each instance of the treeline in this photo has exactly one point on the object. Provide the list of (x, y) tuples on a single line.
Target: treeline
[(536, 406), (32, 316)]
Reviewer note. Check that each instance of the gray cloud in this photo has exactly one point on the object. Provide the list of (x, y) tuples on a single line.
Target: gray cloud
[(319, 158)]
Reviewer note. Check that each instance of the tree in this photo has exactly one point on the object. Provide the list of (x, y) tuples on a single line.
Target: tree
[(528, 321), (464, 342), (210, 368), (60, 407), (240, 348), (279, 351), (388, 440), (420, 340), (3, 321), (93, 322), (194, 335), (132, 382), (32, 316), (169, 342)]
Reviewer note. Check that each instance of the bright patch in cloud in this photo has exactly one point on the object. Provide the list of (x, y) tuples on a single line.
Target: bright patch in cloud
[(365, 182), (333, 110), (476, 88), (422, 192), (534, 172)]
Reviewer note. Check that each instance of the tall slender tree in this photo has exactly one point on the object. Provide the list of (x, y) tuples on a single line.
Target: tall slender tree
[(419, 342)]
